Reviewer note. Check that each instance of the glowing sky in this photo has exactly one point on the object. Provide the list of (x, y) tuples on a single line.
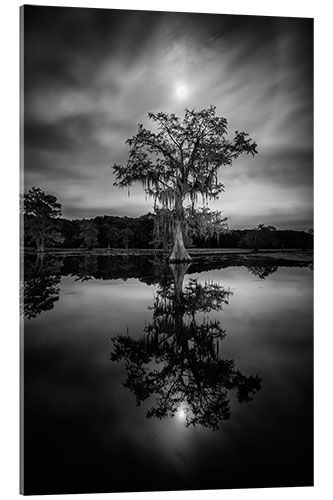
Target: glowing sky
[(92, 75)]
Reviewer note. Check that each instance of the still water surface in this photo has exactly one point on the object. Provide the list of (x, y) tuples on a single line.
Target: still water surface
[(219, 357)]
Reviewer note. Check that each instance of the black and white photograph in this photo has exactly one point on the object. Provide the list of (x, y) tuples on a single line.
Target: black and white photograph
[(167, 227)]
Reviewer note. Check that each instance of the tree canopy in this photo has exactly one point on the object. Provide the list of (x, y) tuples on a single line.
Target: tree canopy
[(40, 211), (41, 205), (179, 162), (89, 234)]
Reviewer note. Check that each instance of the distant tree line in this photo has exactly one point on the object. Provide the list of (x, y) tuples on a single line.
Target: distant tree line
[(111, 232), (262, 237), (108, 232), (45, 228)]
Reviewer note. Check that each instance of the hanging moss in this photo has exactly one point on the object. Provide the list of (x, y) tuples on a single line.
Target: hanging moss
[(179, 163)]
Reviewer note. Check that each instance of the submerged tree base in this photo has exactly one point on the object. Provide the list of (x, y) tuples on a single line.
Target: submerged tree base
[(179, 257), (179, 253)]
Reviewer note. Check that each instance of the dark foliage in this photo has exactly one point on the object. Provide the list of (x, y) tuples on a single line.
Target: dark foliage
[(40, 289), (179, 163), (138, 232), (42, 275), (177, 362), (41, 211)]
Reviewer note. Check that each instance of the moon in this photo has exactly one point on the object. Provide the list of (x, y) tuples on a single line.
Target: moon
[(181, 91), (181, 414)]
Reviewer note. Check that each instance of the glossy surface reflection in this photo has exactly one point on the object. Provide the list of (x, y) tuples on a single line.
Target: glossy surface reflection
[(218, 356), (177, 360)]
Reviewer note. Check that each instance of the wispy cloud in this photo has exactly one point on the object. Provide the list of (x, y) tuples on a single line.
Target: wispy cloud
[(91, 76)]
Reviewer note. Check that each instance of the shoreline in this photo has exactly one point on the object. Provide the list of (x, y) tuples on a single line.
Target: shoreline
[(291, 254)]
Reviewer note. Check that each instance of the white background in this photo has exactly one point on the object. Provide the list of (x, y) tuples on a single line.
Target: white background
[(9, 231)]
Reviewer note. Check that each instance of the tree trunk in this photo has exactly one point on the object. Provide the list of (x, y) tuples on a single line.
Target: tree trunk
[(179, 252), (39, 264), (40, 243)]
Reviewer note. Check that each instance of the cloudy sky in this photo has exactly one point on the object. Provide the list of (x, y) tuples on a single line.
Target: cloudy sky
[(90, 76)]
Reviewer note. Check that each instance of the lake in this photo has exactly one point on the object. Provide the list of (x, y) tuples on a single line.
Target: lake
[(140, 376)]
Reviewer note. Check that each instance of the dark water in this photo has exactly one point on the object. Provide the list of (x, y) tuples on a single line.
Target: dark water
[(219, 357)]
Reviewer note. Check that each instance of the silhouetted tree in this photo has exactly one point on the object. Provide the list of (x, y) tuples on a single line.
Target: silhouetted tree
[(40, 212), (70, 230), (178, 361), (125, 235), (260, 237), (89, 234), (180, 161), (112, 236)]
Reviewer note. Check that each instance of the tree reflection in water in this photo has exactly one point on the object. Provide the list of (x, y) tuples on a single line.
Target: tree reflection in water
[(40, 287), (178, 360), (86, 268), (262, 271)]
